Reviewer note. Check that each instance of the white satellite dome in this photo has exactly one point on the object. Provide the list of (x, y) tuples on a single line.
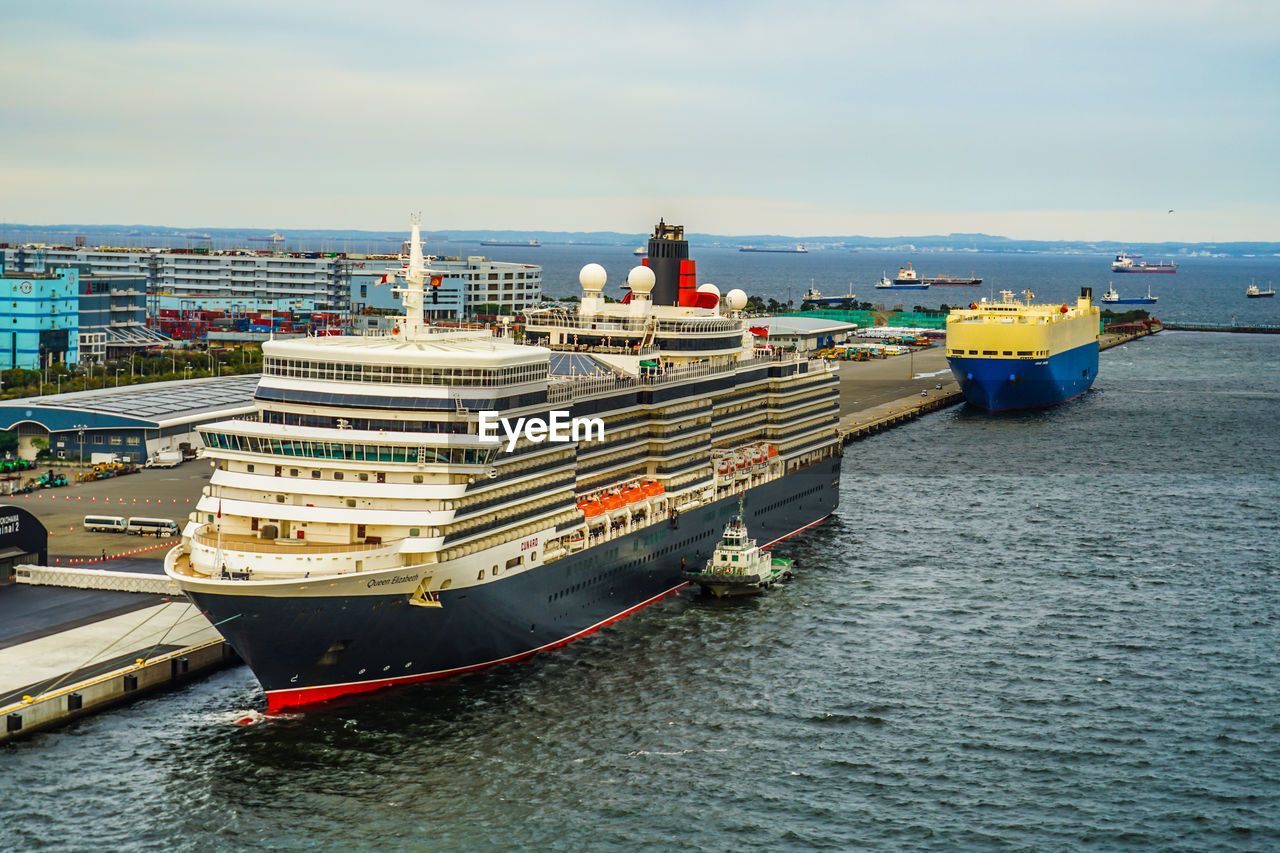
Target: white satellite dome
[(736, 299), (641, 280), (709, 288), (593, 277)]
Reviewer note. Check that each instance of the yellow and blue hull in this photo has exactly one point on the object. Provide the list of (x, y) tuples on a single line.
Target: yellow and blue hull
[(1002, 384)]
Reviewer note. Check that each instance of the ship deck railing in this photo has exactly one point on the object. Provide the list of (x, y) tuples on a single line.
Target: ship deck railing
[(610, 324), (563, 389), (240, 542)]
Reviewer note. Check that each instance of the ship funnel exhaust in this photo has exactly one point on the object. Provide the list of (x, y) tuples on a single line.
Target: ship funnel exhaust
[(673, 272), (1086, 293)]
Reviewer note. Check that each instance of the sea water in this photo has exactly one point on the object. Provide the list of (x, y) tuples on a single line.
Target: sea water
[(1053, 630)]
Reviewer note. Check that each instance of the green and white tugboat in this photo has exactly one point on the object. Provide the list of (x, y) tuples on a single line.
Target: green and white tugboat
[(738, 566)]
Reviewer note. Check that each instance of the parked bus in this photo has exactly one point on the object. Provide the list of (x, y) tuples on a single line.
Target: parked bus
[(161, 527), (105, 523)]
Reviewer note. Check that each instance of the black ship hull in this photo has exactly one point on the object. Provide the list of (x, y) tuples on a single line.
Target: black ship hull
[(308, 649)]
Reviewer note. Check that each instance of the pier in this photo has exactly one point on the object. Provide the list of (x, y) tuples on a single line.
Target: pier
[(1218, 327), (76, 641)]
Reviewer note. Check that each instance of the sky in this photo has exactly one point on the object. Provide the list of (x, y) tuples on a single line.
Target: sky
[(1081, 120)]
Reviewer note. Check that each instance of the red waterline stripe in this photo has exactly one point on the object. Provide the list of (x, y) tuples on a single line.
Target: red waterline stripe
[(799, 530), (279, 700)]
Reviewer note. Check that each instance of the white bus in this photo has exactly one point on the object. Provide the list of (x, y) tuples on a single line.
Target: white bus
[(105, 523), (162, 527)]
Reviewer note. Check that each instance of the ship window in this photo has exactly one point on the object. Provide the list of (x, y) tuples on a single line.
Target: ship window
[(279, 499), (351, 502), (533, 556), (988, 352), (415, 531), (973, 352), (1008, 352), (315, 475), (512, 563), (417, 478), (249, 468), (293, 472), (337, 475), (364, 477), (480, 574)]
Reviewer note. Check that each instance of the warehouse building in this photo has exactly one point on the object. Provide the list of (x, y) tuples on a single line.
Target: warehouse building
[(135, 422)]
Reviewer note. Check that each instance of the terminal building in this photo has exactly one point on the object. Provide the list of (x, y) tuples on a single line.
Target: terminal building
[(135, 422)]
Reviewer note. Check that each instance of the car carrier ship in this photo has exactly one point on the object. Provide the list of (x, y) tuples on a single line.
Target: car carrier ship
[(1015, 355), (360, 530)]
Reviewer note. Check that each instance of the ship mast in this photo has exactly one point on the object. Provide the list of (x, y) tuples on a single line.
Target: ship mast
[(411, 324)]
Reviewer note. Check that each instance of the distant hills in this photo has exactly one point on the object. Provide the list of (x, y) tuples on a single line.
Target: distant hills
[(312, 239)]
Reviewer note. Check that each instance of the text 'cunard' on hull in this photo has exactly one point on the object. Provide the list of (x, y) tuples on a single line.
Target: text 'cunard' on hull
[(1015, 355), (363, 529)]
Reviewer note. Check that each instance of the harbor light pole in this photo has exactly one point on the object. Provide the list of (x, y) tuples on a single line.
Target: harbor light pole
[(118, 370)]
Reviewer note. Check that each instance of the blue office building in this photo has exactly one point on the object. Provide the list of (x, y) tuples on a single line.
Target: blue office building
[(40, 323)]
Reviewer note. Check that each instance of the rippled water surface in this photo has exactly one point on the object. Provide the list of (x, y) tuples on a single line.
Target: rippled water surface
[(1044, 631)]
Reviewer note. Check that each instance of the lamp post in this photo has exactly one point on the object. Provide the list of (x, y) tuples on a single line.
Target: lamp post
[(118, 371), (186, 372), (80, 431)]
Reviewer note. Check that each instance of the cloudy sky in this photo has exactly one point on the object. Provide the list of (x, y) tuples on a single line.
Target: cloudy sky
[(1055, 120)]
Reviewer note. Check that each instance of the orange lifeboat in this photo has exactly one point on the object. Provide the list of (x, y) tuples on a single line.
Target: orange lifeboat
[(613, 501), (773, 451), (591, 508), (652, 488), (633, 494)]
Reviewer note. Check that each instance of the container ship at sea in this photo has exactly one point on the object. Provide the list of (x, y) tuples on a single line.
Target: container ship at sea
[(360, 530), (1016, 355)]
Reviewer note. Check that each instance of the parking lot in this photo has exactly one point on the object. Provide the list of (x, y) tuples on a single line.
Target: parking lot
[(152, 492)]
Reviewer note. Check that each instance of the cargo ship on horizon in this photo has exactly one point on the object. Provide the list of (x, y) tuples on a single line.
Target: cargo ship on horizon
[(1111, 297), (795, 250), (1131, 263), (361, 530), (524, 244), (1016, 355), (906, 279)]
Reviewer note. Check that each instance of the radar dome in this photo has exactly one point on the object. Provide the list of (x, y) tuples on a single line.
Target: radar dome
[(641, 280), (709, 288), (736, 299), (593, 277)]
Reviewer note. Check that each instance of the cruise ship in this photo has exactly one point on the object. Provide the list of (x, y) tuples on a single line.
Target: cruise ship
[(1016, 355), (365, 528)]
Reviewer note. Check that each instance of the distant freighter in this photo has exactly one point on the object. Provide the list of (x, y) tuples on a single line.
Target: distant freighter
[(1015, 355), (945, 280), (1130, 263), (798, 250), (906, 279), (1111, 297), (524, 244), (813, 299)]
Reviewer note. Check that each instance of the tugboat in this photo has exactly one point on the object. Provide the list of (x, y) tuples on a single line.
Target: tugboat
[(738, 566)]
